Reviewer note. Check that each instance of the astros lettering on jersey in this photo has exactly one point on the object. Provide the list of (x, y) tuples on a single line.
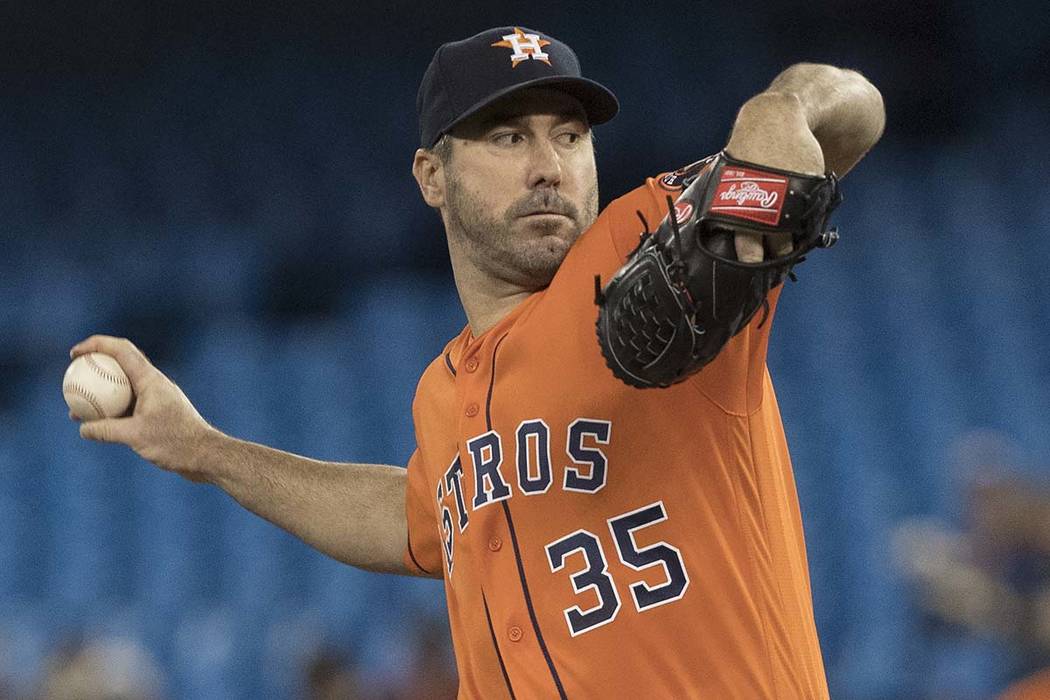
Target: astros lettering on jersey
[(601, 541)]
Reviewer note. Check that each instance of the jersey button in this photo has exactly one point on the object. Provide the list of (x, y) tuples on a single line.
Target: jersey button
[(514, 633), (495, 544), (472, 410), (471, 365)]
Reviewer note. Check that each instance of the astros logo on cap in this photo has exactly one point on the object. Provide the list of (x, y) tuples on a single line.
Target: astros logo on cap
[(525, 46)]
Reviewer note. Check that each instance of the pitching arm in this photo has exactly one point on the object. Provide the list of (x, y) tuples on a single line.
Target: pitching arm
[(352, 512)]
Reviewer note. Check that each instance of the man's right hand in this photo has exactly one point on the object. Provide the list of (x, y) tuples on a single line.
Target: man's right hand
[(163, 426)]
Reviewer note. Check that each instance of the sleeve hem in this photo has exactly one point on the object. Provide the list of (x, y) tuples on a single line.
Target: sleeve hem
[(413, 565)]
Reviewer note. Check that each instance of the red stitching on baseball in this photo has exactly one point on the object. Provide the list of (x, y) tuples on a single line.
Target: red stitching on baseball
[(83, 393), (104, 373)]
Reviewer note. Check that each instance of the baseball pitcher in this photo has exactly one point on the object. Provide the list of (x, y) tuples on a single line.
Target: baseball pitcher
[(601, 475)]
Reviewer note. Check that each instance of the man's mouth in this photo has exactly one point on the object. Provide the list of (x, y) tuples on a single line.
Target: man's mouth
[(547, 212)]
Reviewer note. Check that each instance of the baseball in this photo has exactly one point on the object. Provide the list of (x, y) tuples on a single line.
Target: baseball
[(96, 387)]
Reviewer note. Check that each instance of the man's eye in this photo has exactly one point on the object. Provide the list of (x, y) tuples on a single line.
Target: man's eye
[(508, 139), (569, 138)]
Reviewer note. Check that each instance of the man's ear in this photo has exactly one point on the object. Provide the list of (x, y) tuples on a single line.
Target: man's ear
[(429, 172)]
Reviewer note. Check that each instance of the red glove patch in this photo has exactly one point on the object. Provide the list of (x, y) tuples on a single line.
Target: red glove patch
[(750, 194)]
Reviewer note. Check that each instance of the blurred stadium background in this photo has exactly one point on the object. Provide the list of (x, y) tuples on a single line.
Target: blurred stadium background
[(229, 186)]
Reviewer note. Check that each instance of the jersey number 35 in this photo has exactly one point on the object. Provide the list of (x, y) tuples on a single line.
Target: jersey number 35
[(595, 574)]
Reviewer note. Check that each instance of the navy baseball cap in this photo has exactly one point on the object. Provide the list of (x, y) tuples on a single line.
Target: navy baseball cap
[(465, 76)]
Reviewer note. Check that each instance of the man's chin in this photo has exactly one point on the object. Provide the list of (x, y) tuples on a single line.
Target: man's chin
[(552, 249), (545, 259)]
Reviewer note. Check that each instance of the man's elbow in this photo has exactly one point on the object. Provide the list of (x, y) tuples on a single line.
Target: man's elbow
[(844, 109), (869, 112)]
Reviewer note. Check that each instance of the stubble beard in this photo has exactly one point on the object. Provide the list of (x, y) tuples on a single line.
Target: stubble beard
[(527, 261)]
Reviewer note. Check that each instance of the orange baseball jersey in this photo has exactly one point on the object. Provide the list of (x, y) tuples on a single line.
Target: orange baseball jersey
[(602, 541)]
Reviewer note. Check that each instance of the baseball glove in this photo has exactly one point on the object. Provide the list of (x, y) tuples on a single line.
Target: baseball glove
[(682, 294)]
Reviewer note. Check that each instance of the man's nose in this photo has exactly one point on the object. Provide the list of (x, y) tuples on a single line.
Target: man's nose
[(545, 164)]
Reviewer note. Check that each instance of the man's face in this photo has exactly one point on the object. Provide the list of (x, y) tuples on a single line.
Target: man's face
[(521, 185)]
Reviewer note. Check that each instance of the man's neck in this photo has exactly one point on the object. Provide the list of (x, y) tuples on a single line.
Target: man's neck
[(486, 299), (487, 303)]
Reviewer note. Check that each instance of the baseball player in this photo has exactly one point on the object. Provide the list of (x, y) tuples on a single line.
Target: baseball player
[(601, 476)]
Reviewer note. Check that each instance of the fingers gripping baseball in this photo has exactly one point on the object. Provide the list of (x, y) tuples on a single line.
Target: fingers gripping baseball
[(163, 427), (130, 358), (107, 430)]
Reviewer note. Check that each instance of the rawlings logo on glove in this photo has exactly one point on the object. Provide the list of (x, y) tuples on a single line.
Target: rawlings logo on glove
[(683, 294), (750, 195)]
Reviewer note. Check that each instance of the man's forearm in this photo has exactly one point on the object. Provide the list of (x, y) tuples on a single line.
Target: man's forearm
[(810, 119), (843, 110), (352, 512)]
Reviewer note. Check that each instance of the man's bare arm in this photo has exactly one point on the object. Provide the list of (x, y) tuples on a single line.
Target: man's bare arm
[(352, 512), (843, 110), (812, 118)]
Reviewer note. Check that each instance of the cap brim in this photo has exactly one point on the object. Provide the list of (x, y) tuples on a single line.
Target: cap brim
[(598, 101)]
